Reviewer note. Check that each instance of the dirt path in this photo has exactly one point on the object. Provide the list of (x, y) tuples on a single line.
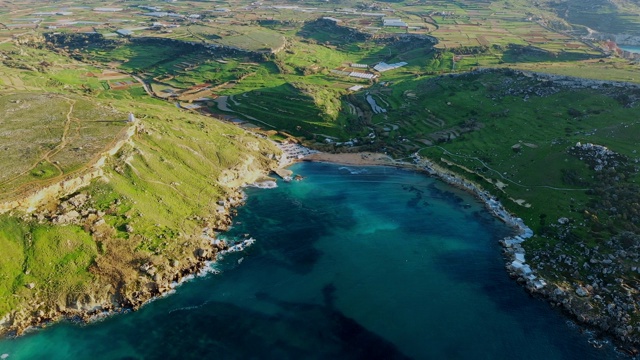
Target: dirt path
[(503, 177), (46, 156), (64, 141), (145, 86), (221, 101)]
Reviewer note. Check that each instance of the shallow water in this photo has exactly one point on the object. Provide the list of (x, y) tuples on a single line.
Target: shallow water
[(633, 49), (350, 263)]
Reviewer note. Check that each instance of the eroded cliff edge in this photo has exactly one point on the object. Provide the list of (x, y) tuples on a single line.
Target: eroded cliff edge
[(139, 218)]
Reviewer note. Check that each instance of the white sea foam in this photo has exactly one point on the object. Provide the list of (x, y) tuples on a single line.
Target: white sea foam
[(186, 308), (209, 268), (4, 356), (269, 184), (241, 246), (354, 171)]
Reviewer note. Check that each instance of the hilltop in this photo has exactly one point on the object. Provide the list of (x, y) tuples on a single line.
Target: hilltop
[(121, 209)]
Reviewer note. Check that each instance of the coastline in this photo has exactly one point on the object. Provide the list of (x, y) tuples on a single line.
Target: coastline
[(360, 158), (23, 321), (512, 245), (513, 251)]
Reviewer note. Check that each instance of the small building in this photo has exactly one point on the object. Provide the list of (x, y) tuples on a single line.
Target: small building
[(382, 67), (332, 19), (394, 22), (124, 32), (156, 14), (150, 8), (107, 9), (132, 118)]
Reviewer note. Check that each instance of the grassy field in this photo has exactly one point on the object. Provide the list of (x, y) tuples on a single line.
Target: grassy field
[(55, 258), (47, 136), (182, 161), (178, 163), (472, 122)]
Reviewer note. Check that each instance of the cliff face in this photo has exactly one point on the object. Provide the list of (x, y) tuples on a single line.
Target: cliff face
[(70, 184), (142, 215)]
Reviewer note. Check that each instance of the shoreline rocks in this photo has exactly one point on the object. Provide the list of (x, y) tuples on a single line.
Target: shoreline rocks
[(575, 300), (153, 280), (585, 303)]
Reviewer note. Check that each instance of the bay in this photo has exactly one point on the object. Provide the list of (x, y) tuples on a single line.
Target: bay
[(350, 263)]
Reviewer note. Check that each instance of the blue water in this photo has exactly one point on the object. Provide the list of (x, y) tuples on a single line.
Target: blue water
[(350, 263), (633, 49)]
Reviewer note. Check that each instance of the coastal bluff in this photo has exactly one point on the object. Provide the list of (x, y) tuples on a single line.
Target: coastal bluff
[(138, 218)]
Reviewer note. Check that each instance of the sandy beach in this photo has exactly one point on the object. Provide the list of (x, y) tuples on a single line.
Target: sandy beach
[(361, 158)]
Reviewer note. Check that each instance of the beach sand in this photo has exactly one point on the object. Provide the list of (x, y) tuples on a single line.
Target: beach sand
[(361, 158)]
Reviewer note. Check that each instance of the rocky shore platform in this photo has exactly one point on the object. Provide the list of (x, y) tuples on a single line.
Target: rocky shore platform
[(155, 282)]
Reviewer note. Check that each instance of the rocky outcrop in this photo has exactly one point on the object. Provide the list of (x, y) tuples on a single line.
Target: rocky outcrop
[(155, 277), (241, 174), (55, 191), (147, 275), (607, 296)]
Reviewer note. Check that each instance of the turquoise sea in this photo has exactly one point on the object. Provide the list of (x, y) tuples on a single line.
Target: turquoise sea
[(633, 49), (350, 263)]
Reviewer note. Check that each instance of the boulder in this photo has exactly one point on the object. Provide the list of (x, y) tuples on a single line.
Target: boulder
[(582, 292), (202, 253)]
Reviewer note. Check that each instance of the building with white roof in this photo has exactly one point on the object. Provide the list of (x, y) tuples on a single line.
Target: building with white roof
[(394, 22)]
